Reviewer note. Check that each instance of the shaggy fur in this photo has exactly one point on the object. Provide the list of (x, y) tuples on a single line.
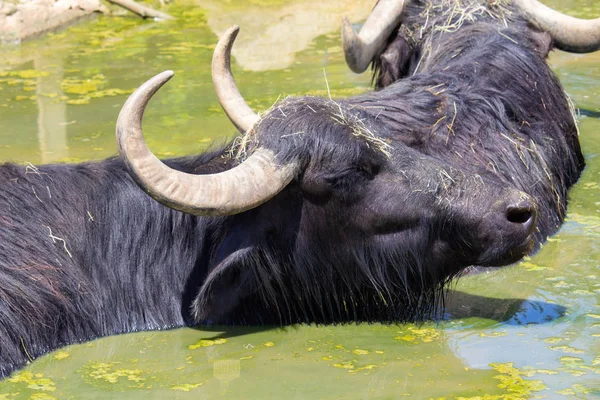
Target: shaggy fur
[(400, 190)]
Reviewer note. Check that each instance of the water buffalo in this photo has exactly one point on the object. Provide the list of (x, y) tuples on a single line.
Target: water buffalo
[(323, 210)]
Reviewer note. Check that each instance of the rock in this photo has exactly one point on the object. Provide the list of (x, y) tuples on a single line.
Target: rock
[(7, 9), (31, 18)]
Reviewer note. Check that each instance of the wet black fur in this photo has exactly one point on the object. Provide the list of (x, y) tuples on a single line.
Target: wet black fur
[(84, 253), (504, 93)]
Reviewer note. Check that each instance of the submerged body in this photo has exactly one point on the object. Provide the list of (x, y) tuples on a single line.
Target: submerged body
[(464, 157)]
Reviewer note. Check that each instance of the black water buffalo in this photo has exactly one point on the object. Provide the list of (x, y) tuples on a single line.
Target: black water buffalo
[(324, 210)]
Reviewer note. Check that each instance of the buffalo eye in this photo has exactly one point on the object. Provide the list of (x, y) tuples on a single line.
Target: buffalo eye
[(368, 169)]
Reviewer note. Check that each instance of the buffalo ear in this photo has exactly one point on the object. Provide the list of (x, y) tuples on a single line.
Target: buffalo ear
[(316, 187), (542, 42), (394, 63), (226, 286)]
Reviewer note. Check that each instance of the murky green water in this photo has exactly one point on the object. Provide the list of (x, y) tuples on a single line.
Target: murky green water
[(530, 330)]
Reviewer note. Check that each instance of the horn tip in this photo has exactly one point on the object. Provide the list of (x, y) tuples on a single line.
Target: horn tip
[(233, 29), (163, 77), (346, 25), (349, 36), (352, 46)]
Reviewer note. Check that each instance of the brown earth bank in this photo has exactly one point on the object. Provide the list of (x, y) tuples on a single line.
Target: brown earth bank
[(26, 19)]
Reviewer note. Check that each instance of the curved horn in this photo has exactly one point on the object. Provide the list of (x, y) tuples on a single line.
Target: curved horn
[(570, 34), (229, 96), (246, 186), (360, 49)]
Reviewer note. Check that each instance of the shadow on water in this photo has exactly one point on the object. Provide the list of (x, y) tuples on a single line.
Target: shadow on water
[(589, 113), (507, 311), (459, 305), (228, 332)]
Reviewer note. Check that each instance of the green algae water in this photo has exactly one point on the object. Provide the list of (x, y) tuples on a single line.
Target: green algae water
[(527, 331)]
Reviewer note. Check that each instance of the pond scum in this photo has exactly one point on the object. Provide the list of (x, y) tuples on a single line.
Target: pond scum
[(202, 361), (105, 35), (512, 382)]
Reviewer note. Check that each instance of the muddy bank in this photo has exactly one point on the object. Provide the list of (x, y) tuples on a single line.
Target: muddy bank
[(26, 19)]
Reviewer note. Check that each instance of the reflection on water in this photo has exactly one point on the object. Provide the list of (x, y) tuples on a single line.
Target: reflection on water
[(511, 311), (52, 115), (529, 330), (286, 29)]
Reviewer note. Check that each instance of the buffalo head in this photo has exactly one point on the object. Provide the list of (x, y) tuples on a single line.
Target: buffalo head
[(363, 208)]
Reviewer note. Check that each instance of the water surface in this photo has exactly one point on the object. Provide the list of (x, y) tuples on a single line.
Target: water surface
[(525, 331)]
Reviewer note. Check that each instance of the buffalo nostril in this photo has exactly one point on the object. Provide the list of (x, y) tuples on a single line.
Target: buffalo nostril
[(519, 215), (523, 214)]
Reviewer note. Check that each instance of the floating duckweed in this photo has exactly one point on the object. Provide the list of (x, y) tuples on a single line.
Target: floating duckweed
[(41, 396), (493, 334), (35, 382), (194, 14), (582, 292), (511, 379), (360, 352), (186, 387), (28, 74), (79, 101), (529, 372), (574, 390), (49, 95), (108, 373), (531, 266), (90, 89), (567, 349), (351, 367), (425, 335), (575, 372), (110, 92), (269, 344), (215, 109), (207, 343), (345, 365), (175, 50), (406, 338), (589, 223), (367, 367), (571, 362), (61, 355), (82, 86), (546, 371), (562, 284)]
